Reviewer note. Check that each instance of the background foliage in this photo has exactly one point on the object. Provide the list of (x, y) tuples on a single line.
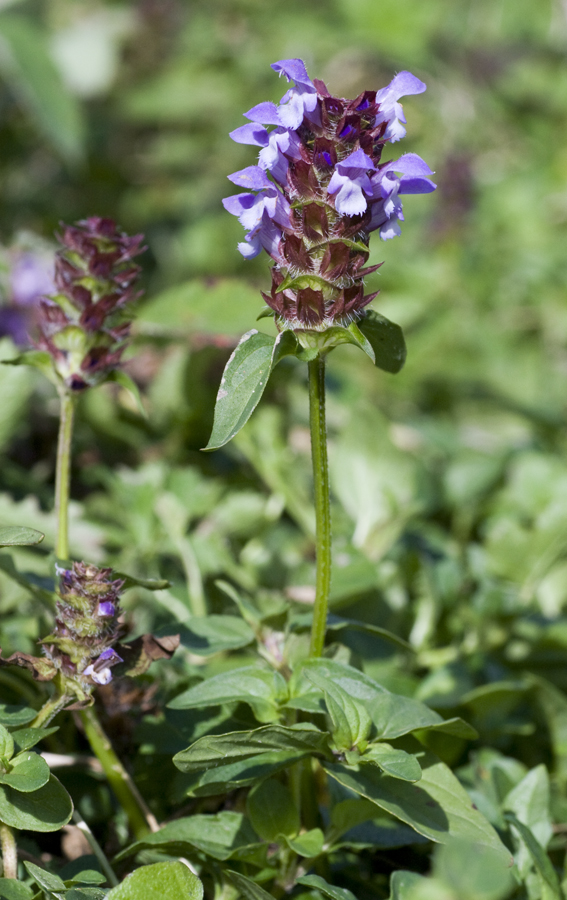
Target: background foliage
[(449, 480)]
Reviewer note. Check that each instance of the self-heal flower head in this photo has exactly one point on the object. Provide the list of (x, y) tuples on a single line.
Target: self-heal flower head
[(320, 188), (84, 326)]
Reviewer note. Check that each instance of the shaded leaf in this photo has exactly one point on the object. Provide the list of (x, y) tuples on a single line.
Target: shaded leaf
[(160, 881), (214, 750), (150, 584), (308, 844), (47, 809), (219, 836), (6, 743), (249, 890), (547, 874), (17, 535), (13, 715), (394, 762), (437, 807), (261, 688), (46, 880), (8, 567), (386, 340), (244, 379), (28, 773), (10, 889), (272, 810), (25, 61), (206, 635), (351, 720), (328, 890), (25, 738)]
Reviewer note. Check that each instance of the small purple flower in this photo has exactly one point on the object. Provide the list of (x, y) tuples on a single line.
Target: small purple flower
[(31, 277), (264, 215), (351, 180), (299, 101), (391, 111), (99, 671), (387, 208), (106, 608)]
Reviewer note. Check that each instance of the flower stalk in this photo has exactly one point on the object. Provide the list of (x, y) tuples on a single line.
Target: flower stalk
[(9, 852), (63, 472), (318, 429)]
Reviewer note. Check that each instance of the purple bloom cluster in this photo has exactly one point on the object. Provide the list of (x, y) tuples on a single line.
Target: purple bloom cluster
[(327, 191), (86, 625)]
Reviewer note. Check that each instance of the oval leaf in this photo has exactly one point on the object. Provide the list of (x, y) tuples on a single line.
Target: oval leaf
[(263, 689), (18, 536), (161, 881), (437, 807), (394, 762), (29, 772), (386, 340), (47, 809), (244, 379), (206, 635)]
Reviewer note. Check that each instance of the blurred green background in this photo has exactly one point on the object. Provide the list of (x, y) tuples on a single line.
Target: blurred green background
[(449, 480)]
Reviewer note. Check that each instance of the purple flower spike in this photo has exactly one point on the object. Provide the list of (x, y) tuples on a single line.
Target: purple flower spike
[(391, 111), (351, 180), (318, 191)]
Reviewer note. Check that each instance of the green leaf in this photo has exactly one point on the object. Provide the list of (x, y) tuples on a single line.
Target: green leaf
[(219, 750), (308, 844), (10, 889), (119, 376), (8, 567), (18, 536), (28, 773), (272, 810), (244, 379), (386, 340), (263, 689), (544, 868), (472, 872), (37, 359), (394, 762), (220, 836), (26, 738), (6, 743), (249, 890), (395, 715), (86, 893), (12, 716), (25, 61), (150, 584), (529, 800), (437, 807), (402, 882), (328, 890), (351, 720), (206, 635), (161, 881), (46, 880), (47, 809)]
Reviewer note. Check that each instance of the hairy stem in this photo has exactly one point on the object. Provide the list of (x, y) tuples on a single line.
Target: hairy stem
[(318, 427), (96, 848), (9, 852), (54, 705), (139, 816), (63, 473)]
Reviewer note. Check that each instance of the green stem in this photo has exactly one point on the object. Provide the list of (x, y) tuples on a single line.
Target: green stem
[(54, 705), (139, 816), (96, 848), (9, 852), (318, 427), (63, 473)]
